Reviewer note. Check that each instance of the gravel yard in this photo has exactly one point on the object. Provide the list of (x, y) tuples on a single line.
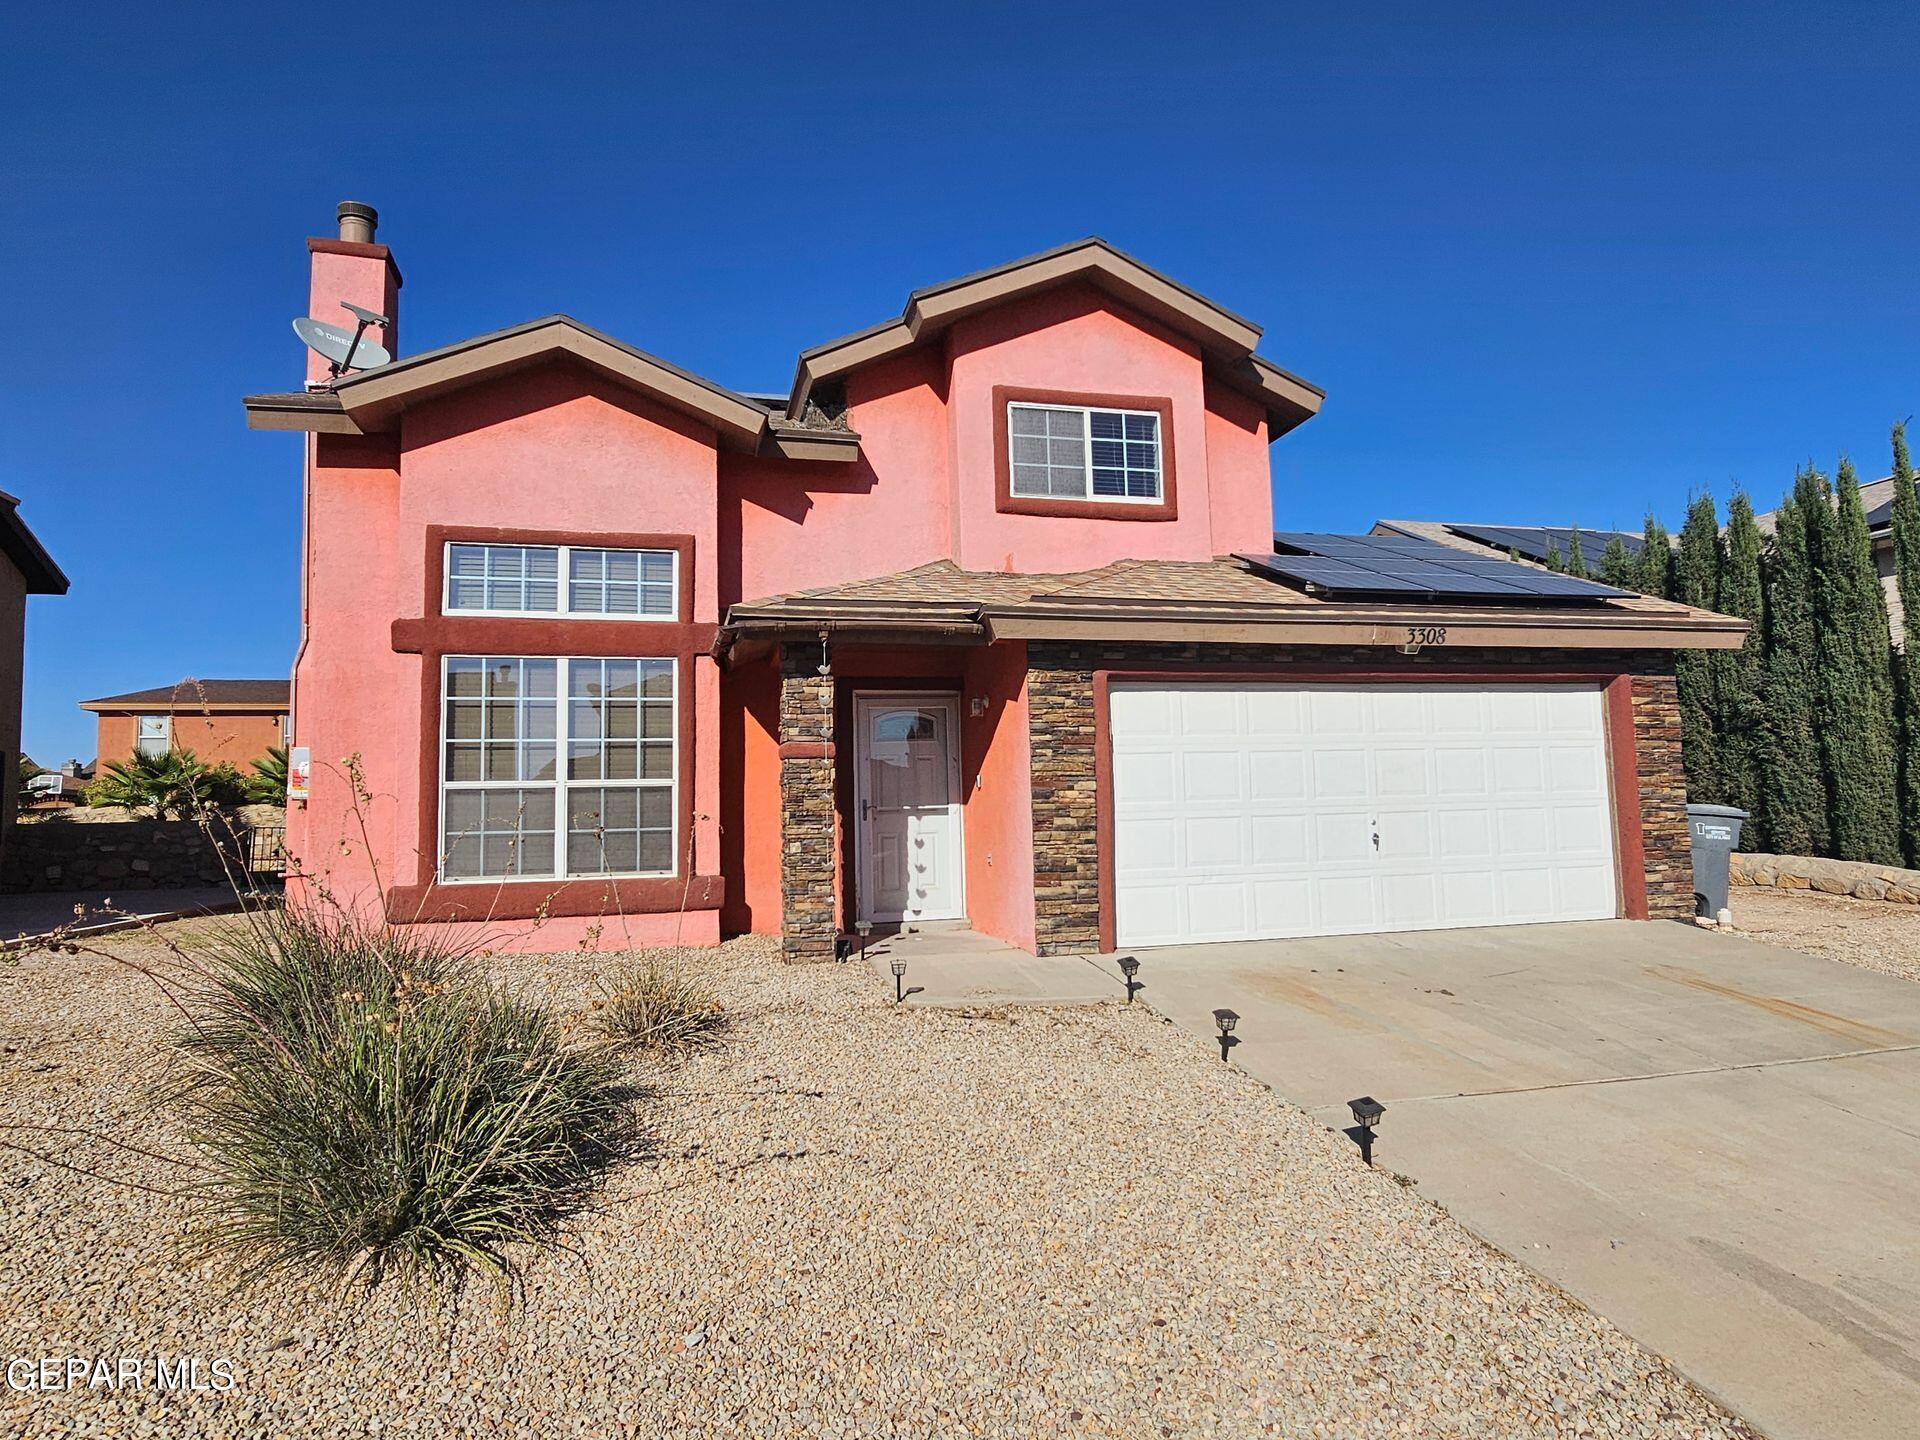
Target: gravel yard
[(859, 1221), (1872, 934)]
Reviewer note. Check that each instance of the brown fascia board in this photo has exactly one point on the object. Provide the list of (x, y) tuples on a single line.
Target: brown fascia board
[(127, 705), (806, 442), (375, 398), (316, 410), (1226, 339), (29, 556)]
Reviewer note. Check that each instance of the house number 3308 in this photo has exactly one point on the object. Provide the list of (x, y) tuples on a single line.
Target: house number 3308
[(1426, 634)]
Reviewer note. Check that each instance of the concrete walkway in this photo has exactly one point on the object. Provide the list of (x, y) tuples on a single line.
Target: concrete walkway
[(1710, 1141), (23, 917), (952, 966)]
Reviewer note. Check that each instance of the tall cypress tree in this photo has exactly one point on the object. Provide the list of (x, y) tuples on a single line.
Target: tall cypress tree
[(1906, 569), (1793, 796), (1697, 582), (1737, 687), (1857, 732), (1616, 565), (1656, 562), (1576, 561), (1555, 561)]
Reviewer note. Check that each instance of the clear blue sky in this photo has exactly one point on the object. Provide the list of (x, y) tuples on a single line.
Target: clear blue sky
[(1550, 263)]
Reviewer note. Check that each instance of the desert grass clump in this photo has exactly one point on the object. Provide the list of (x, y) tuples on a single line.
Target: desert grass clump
[(370, 1106), (658, 1006)]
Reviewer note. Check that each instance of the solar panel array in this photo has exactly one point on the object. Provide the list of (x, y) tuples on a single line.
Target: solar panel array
[(1393, 567), (1533, 541)]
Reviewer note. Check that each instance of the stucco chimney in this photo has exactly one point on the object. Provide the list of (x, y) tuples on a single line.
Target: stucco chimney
[(352, 267), (357, 221)]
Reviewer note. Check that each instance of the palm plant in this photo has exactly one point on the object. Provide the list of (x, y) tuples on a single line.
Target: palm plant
[(173, 785), (268, 783)]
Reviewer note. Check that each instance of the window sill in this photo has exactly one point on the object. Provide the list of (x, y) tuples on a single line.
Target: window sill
[(600, 897)]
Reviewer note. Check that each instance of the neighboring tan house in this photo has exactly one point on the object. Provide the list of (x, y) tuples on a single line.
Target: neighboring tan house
[(236, 721), (1530, 542), (25, 569), (952, 630)]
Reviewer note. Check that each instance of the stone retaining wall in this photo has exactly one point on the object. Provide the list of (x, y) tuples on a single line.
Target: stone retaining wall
[(1857, 878), (112, 850)]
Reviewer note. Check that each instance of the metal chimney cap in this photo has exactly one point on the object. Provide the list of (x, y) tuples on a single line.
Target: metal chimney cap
[(357, 221)]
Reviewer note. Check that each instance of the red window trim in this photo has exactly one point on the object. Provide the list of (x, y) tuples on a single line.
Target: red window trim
[(1630, 862), (1007, 503), (434, 636)]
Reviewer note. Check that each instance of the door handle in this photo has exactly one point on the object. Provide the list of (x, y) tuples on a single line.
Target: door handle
[(866, 809)]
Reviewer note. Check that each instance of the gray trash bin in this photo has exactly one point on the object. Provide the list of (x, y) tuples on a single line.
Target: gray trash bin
[(1716, 835)]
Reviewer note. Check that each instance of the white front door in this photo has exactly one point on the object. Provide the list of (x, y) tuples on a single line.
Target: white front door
[(1256, 811), (907, 807)]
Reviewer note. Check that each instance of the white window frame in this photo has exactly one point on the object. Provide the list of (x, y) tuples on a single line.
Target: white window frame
[(563, 583), (165, 737), (560, 784), (1087, 412)]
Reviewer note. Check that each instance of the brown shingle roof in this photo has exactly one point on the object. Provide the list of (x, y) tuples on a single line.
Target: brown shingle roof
[(266, 694)]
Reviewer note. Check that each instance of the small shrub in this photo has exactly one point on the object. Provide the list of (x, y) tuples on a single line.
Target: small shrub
[(657, 1006), (372, 1107), (174, 785)]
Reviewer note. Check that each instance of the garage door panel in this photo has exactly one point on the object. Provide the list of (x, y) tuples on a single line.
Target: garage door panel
[(1399, 773), (1142, 778), (1210, 775), (1217, 841), (1246, 811), (1279, 842), (1277, 775), (1148, 845), (1339, 774)]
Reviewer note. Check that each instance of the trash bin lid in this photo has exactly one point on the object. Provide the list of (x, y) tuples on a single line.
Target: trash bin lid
[(1718, 812)]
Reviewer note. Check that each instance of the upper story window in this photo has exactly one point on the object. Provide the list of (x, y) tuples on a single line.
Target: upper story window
[(562, 580), (1077, 452), (153, 735)]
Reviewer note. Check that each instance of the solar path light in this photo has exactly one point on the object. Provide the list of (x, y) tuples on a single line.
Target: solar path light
[(899, 968), (1226, 1020), (1366, 1117), (865, 927), (1130, 967)]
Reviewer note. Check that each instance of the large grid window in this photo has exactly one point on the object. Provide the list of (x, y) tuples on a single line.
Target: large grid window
[(528, 580), (1074, 452), (557, 767)]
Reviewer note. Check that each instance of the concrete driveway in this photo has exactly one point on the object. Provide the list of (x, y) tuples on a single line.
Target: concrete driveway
[(1713, 1142)]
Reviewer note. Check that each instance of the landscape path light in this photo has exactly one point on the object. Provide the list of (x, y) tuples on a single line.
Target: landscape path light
[(1130, 967), (865, 928), (899, 968), (1226, 1020), (1366, 1117)]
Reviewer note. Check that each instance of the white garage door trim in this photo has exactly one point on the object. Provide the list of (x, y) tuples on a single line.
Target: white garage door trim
[(1263, 810)]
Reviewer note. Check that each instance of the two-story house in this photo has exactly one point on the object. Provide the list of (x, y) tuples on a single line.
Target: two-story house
[(954, 629)]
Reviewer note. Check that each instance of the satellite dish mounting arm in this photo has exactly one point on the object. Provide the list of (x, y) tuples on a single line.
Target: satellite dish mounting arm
[(365, 318)]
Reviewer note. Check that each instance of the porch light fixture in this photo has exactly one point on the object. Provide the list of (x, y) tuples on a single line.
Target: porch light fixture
[(1410, 648), (1226, 1020), (1366, 1118), (899, 968), (1130, 967)]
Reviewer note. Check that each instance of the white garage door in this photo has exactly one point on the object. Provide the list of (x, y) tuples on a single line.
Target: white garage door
[(1258, 811)]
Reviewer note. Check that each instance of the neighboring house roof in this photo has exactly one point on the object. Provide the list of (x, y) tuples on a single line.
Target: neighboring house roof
[(1191, 600), (193, 695), (372, 400), (1876, 497), (1531, 541), (29, 556)]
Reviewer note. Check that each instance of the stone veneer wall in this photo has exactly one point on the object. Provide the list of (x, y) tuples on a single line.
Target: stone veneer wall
[(806, 806), (1066, 856)]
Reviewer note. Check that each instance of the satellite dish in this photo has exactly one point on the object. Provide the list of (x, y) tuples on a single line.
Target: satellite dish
[(366, 317), (342, 348)]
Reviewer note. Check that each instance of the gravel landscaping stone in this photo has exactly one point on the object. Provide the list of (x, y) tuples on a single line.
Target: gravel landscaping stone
[(858, 1220), (1869, 933)]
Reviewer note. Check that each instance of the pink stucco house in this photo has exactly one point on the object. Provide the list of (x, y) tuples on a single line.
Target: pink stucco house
[(952, 630)]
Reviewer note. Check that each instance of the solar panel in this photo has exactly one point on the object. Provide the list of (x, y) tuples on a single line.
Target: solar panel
[(1403, 568), (1534, 541)]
